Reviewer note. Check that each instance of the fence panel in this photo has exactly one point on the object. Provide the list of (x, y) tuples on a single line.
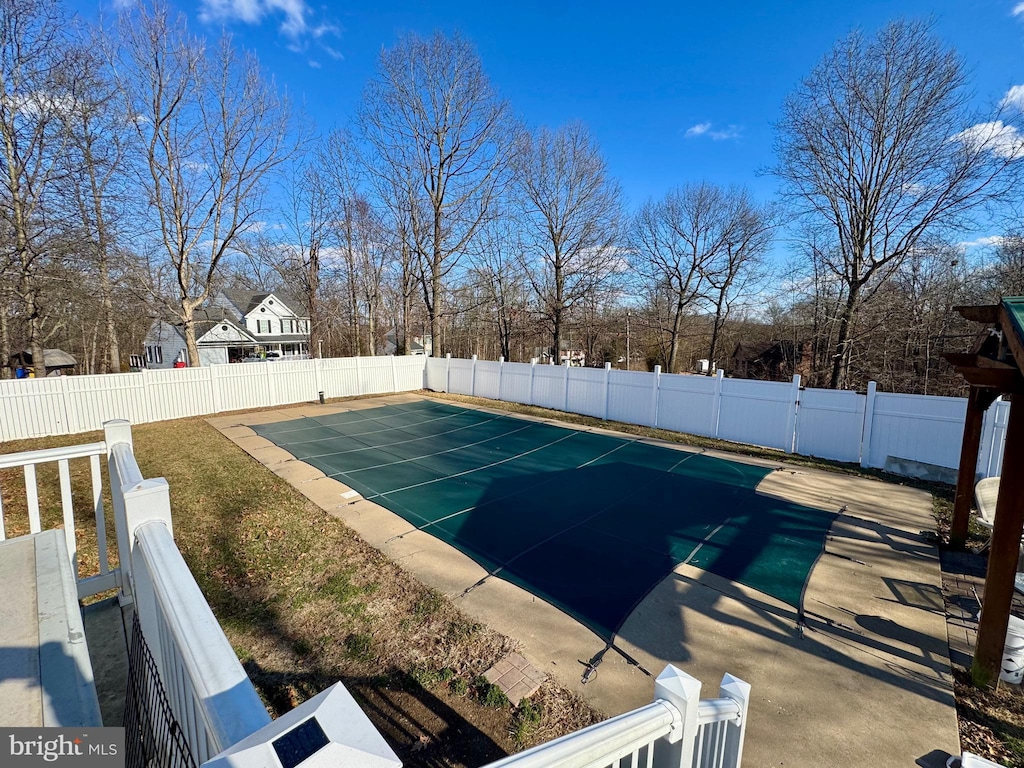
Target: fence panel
[(99, 398), (516, 379), (488, 379), (588, 391), (437, 374), (757, 412), (549, 386), (631, 397), (409, 372), (32, 408), (922, 428), (177, 392), (830, 424), (293, 381), (243, 384), (375, 376), (686, 403), (339, 377), (993, 439), (460, 377)]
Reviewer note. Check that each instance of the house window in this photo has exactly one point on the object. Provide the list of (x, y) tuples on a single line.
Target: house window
[(154, 355)]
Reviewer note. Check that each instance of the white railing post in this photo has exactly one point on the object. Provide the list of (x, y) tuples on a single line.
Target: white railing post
[(716, 403), (869, 417), (655, 391), (792, 423), (739, 691), (448, 372), (472, 376), (565, 389), (683, 692), (607, 388), (115, 432)]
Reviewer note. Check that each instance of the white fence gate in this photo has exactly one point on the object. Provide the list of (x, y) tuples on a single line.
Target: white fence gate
[(874, 428)]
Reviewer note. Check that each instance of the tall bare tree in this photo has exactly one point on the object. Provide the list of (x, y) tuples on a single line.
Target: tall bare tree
[(38, 72), (677, 241), (572, 209), (439, 135), (210, 130), (878, 144)]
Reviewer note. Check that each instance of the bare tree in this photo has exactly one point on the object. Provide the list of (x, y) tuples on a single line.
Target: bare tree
[(736, 272), (572, 209), (210, 130), (439, 134), (498, 269), (878, 144), (37, 79), (98, 134), (677, 242)]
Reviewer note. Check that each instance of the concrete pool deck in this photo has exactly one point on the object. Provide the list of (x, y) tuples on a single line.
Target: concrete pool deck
[(863, 676)]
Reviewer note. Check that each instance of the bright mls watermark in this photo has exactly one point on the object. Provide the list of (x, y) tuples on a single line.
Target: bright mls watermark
[(62, 747)]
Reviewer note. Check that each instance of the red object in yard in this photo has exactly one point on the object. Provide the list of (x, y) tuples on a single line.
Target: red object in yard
[(180, 364)]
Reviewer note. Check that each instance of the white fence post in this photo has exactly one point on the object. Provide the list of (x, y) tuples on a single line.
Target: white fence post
[(683, 692), (69, 412), (533, 367), (869, 417), (716, 403), (472, 376), (501, 374), (607, 388), (214, 380), (394, 375), (739, 691), (448, 372), (792, 424), (565, 392), (318, 374), (655, 391)]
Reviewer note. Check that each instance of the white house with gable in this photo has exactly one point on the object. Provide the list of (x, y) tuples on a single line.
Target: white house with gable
[(238, 326)]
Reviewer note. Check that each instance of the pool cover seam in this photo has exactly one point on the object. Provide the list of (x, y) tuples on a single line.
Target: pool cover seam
[(400, 442), (357, 434), (468, 471)]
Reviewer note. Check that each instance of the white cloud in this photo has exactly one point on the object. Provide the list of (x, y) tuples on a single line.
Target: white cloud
[(705, 129), (996, 137), (983, 242), (1014, 97), (294, 15), (1018, 9)]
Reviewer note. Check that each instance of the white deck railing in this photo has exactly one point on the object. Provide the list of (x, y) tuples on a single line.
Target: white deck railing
[(678, 730), (108, 576)]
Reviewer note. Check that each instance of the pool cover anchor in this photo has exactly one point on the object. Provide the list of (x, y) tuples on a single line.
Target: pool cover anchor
[(590, 667)]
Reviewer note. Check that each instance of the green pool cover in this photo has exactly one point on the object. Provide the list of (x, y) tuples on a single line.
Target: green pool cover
[(590, 523)]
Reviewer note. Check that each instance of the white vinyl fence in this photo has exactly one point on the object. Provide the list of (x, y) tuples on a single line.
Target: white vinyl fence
[(66, 405), (910, 434)]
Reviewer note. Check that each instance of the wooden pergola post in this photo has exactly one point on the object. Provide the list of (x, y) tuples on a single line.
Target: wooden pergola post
[(978, 401), (1003, 554)]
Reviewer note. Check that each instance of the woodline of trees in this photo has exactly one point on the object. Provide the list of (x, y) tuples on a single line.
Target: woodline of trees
[(146, 167)]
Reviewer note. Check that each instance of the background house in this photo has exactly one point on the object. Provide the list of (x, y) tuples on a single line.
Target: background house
[(55, 362), (238, 325)]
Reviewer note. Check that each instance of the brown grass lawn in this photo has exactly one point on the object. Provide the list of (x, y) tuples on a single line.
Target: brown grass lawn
[(305, 602)]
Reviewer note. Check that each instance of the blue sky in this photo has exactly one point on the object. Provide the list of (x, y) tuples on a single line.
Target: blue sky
[(673, 91)]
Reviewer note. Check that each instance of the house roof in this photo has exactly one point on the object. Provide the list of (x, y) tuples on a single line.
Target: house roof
[(247, 301), (53, 358), (204, 325)]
